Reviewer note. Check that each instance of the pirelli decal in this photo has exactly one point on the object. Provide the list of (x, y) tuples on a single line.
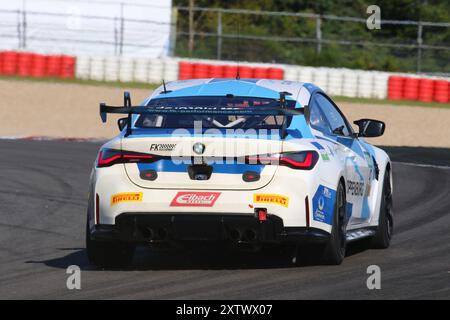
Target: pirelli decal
[(126, 197), (271, 198)]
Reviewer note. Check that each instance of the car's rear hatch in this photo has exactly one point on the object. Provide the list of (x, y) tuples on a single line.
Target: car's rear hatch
[(220, 166), (200, 142)]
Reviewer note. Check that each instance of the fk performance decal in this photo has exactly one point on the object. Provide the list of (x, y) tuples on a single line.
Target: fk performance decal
[(195, 199), (126, 197), (323, 204), (162, 146), (271, 198)]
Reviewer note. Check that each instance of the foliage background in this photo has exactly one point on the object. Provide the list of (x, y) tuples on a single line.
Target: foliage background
[(367, 57)]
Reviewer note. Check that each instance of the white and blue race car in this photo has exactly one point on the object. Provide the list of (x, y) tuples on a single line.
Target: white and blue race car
[(243, 162)]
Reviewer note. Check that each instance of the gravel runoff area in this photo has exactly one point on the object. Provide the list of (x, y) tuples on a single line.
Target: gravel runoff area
[(30, 108)]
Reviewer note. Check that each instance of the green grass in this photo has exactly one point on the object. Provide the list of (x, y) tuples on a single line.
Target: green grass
[(151, 86)]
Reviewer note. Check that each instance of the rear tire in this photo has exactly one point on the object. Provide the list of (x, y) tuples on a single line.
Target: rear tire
[(383, 235), (104, 254), (334, 252)]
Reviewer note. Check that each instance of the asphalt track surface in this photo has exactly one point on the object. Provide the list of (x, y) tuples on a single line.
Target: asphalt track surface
[(43, 193)]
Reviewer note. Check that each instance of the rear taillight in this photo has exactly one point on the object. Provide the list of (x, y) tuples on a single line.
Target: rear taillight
[(303, 160), (108, 157)]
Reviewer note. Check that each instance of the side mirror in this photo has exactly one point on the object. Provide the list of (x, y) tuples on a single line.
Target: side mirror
[(122, 123), (370, 128)]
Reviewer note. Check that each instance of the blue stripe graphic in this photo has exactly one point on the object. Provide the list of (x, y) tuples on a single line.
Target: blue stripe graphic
[(167, 165)]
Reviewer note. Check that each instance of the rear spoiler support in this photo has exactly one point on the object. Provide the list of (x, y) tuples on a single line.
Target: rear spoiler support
[(283, 106), (127, 103)]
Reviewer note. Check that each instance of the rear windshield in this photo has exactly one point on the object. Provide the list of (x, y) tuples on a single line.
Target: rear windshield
[(214, 121)]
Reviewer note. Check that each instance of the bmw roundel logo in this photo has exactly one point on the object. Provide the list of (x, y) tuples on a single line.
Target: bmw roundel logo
[(199, 148)]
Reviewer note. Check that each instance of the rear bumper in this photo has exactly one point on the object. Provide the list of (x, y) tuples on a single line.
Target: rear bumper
[(238, 228)]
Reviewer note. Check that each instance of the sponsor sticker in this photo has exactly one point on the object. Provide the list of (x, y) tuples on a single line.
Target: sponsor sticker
[(323, 204), (162, 146), (195, 199), (271, 198), (323, 153), (325, 156), (126, 197), (356, 188)]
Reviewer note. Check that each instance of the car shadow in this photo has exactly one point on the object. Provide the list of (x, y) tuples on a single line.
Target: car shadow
[(204, 259)]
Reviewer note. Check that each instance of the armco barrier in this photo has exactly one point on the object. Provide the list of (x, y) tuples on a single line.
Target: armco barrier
[(411, 88), (350, 84), (82, 67), (9, 63), (335, 78), (185, 70), (426, 90), (53, 66), (245, 72), (24, 63), (28, 64), (345, 82), (200, 70), (418, 89), (230, 71), (155, 71), (97, 68), (141, 70), (292, 73), (260, 73), (126, 69), (380, 85), (441, 91), (38, 66), (215, 71), (275, 73), (67, 70), (365, 84), (170, 70), (395, 87), (321, 78), (306, 74), (112, 68)]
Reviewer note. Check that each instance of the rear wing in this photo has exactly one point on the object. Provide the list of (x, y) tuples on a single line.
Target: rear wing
[(128, 109)]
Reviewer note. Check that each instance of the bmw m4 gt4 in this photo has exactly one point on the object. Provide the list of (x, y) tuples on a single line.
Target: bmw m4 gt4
[(242, 162)]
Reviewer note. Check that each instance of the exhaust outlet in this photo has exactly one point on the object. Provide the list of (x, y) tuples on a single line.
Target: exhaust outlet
[(235, 235), (250, 235), (149, 233), (162, 233)]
